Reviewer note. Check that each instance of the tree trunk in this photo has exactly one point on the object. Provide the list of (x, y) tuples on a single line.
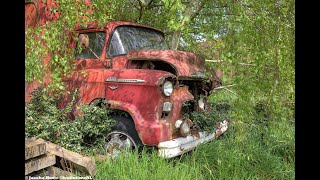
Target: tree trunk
[(191, 12), (175, 40)]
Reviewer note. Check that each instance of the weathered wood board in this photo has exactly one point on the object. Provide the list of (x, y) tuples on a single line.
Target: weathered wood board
[(78, 161), (34, 148), (57, 172), (39, 163)]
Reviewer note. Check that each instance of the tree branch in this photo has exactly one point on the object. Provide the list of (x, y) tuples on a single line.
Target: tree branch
[(242, 64), (197, 11), (222, 87), (149, 3), (140, 10), (225, 87)]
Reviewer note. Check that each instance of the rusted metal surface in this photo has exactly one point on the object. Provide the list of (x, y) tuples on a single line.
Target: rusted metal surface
[(180, 145), (186, 64), (215, 79), (221, 128), (179, 96), (143, 108), (119, 62)]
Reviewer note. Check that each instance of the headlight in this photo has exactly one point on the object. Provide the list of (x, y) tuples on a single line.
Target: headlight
[(167, 88), (184, 128)]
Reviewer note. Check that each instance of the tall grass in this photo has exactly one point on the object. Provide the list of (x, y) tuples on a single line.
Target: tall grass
[(260, 147), (239, 154), (147, 166)]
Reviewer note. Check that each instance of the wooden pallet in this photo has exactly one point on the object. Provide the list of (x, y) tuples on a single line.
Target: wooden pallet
[(44, 155)]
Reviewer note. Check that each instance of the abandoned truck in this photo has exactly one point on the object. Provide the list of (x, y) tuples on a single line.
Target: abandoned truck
[(130, 68)]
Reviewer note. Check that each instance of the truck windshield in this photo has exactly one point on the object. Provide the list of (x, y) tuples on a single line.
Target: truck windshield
[(126, 38)]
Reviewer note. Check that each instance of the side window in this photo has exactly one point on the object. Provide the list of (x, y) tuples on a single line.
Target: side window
[(90, 45)]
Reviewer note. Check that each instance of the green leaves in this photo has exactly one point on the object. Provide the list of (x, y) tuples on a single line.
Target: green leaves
[(45, 120), (48, 46)]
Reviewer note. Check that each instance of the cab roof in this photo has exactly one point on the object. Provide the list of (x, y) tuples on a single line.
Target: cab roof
[(111, 26)]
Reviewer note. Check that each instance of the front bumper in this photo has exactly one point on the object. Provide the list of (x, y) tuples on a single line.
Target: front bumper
[(178, 146)]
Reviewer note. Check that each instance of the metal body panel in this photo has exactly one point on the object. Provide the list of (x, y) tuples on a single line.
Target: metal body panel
[(143, 99), (186, 64)]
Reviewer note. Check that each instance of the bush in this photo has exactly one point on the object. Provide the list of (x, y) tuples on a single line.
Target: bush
[(206, 120), (84, 134)]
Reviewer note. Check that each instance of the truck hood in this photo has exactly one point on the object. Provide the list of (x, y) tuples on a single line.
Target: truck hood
[(187, 65)]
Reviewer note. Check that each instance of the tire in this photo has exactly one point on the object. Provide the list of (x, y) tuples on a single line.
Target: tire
[(123, 137)]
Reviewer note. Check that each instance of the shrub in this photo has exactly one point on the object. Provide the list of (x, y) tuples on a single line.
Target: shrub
[(206, 120), (84, 134)]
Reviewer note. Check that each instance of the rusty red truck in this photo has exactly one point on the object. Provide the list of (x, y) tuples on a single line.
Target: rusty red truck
[(129, 67)]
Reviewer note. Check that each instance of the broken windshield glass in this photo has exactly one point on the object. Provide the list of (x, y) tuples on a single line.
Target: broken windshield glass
[(126, 38)]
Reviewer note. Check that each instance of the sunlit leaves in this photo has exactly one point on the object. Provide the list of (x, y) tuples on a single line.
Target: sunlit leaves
[(48, 47)]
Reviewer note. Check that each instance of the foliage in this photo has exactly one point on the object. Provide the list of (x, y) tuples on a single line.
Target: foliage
[(85, 134), (55, 40), (255, 40), (52, 40), (206, 120), (262, 34), (239, 154)]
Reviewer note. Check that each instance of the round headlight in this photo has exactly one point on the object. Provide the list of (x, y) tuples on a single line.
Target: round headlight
[(167, 88)]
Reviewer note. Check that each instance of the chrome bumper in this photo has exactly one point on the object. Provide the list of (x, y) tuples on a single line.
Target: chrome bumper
[(178, 146)]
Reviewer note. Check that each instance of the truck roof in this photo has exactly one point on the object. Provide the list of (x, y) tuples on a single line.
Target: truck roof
[(111, 25)]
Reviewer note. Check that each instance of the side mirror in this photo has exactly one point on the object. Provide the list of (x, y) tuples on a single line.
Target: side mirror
[(84, 40)]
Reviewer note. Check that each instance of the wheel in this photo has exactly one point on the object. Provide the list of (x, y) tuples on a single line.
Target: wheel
[(123, 137)]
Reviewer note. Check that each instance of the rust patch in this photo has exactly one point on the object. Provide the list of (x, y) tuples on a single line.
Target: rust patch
[(195, 134), (185, 63), (215, 80), (221, 127)]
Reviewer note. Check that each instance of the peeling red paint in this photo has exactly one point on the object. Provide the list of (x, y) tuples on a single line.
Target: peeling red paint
[(142, 101), (119, 62)]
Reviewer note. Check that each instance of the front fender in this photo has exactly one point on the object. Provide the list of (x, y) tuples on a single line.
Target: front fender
[(150, 131)]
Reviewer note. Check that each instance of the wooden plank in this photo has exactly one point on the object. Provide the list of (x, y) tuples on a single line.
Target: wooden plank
[(34, 148), (82, 163), (57, 172), (41, 173), (39, 163)]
